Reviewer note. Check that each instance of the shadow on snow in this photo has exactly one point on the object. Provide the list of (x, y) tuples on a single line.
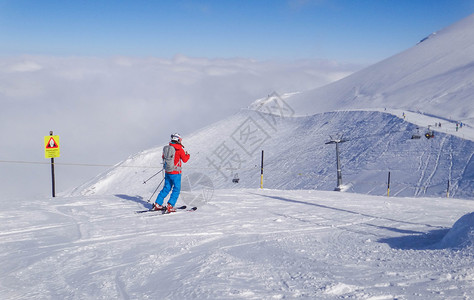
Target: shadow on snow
[(137, 199), (425, 241), (413, 240)]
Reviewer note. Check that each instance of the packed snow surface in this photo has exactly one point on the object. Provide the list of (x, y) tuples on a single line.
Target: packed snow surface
[(241, 244)]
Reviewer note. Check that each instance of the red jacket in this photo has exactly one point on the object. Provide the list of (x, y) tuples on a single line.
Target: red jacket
[(179, 157)]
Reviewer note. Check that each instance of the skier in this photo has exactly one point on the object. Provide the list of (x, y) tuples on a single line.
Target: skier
[(177, 155)]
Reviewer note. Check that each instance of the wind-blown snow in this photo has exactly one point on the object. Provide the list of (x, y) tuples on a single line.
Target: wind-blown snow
[(462, 233)]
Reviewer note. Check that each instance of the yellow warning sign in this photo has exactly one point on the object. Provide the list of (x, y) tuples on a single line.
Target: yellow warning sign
[(51, 146)]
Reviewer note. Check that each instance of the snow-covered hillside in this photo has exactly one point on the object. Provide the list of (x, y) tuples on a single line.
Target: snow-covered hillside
[(244, 244), (296, 157)]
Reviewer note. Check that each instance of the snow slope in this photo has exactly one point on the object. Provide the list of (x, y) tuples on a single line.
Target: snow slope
[(244, 244)]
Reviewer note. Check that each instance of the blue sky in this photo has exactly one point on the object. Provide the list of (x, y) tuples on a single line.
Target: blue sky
[(359, 31)]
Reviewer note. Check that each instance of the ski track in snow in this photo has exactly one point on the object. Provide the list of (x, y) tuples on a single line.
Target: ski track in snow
[(244, 244), (431, 167)]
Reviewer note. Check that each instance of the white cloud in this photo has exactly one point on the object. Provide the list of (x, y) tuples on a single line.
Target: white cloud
[(24, 66)]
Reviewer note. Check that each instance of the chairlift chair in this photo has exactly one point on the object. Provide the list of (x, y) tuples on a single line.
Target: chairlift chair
[(416, 136), (429, 134), (236, 178)]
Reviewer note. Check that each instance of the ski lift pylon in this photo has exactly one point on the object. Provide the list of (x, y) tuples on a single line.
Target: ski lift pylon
[(416, 136)]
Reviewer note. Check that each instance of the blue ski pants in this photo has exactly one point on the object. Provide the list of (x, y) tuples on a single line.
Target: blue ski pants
[(172, 181)]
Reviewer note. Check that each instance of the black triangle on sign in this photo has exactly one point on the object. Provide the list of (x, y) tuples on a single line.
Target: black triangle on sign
[(52, 144)]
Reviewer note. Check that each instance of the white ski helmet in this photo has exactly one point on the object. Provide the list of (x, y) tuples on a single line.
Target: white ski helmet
[(176, 137)]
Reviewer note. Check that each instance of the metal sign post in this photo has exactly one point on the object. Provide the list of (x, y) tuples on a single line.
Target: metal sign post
[(51, 150), (261, 173), (388, 185), (447, 190)]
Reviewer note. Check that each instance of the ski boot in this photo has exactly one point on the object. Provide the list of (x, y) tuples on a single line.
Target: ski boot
[(156, 206), (170, 208)]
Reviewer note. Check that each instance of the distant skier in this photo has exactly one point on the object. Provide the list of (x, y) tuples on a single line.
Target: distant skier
[(173, 156)]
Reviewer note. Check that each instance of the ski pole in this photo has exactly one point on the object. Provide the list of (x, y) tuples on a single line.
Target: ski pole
[(145, 181), (156, 190)]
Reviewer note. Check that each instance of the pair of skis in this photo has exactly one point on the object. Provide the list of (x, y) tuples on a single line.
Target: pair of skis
[(165, 212)]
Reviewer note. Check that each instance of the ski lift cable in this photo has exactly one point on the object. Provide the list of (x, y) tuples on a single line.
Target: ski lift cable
[(76, 164)]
